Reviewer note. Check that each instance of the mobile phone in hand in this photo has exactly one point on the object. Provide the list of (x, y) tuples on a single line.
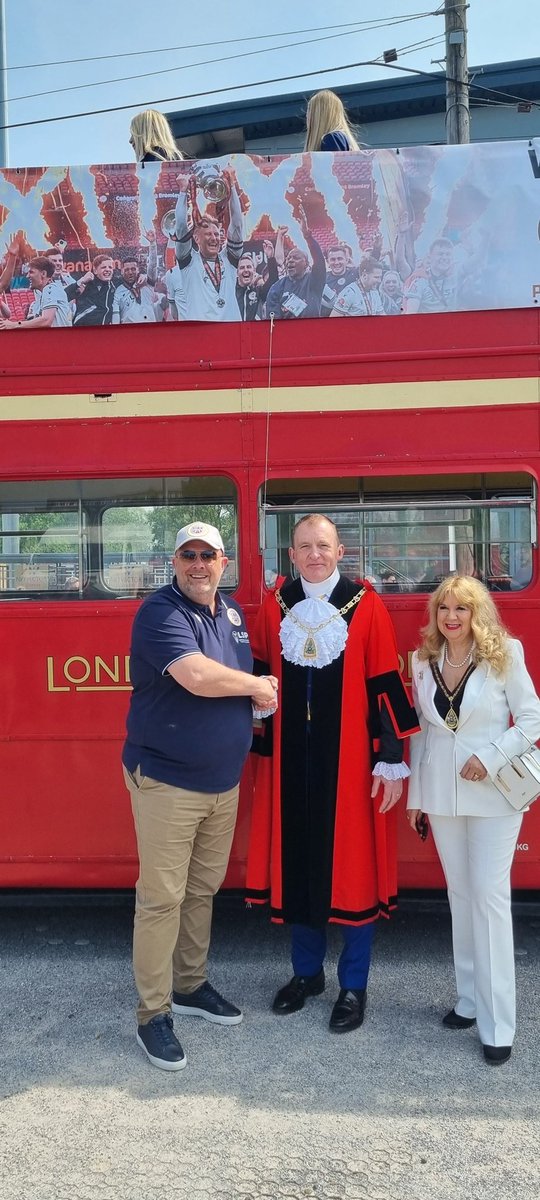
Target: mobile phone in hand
[(422, 826)]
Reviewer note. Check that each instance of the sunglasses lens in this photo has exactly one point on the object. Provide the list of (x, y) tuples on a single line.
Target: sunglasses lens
[(192, 555)]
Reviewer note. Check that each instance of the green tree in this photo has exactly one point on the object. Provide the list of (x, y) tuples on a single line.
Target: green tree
[(58, 532), (166, 521)]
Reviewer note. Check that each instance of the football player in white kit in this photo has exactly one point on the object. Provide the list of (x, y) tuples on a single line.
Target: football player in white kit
[(208, 291)]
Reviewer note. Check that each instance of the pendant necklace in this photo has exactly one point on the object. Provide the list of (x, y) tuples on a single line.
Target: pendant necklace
[(451, 719)]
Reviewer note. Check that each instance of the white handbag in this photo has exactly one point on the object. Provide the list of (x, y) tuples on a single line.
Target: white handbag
[(519, 779)]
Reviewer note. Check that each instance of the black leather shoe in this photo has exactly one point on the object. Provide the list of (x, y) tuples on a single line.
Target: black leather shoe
[(348, 1011), (452, 1020), (293, 996), (497, 1054)]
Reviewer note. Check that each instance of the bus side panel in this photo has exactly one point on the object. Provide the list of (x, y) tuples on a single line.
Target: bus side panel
[(66, 817)]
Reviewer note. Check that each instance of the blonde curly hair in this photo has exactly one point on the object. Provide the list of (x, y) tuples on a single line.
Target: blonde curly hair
[(490, 635)]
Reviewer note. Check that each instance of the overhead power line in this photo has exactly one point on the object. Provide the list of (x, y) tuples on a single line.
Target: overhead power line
[(401, 51), (238, 87), (188, 66), (367, 26), (508, 96), (257, 84)]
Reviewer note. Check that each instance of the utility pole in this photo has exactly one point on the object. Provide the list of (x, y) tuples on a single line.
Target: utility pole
[(3, 88), (457, 76)]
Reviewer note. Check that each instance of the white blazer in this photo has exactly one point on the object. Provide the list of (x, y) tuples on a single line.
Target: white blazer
[(438, 754)]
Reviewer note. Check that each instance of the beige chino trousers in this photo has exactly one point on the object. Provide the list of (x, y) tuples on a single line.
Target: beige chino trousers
[(184, 841)]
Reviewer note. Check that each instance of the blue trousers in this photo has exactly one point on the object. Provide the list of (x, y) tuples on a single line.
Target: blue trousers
[(308, 951)]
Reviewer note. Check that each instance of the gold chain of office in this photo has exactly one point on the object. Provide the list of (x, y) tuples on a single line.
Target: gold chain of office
[(310, 645), (451, 719)]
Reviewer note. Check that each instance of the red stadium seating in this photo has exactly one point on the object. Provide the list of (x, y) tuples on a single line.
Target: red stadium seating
[(19, 302)]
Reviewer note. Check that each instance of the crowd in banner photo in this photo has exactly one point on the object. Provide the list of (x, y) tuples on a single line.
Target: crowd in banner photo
[(371, 233)]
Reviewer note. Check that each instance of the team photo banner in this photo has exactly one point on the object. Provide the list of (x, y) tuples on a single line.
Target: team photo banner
[(424, 229)]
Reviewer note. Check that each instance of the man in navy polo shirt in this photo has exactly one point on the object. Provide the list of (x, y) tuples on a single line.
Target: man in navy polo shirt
[(188, 733)]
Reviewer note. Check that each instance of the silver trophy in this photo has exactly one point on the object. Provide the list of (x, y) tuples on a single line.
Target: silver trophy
[(211, 181), (168, 223)]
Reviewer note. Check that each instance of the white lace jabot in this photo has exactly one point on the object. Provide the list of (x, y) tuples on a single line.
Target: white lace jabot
[(313, 632)]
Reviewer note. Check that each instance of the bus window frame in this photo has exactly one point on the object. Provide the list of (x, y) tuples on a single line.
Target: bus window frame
[(484, 505), (89, 512)]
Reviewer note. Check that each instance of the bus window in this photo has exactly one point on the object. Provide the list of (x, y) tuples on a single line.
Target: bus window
[(510, 560), (42, 551), (405, 537), (138, 539), (105, 539)]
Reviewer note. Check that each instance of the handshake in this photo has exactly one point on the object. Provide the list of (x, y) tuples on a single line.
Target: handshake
[(264, 696)]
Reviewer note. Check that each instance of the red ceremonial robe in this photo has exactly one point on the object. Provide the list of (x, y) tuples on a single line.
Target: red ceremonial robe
[(319, 849)]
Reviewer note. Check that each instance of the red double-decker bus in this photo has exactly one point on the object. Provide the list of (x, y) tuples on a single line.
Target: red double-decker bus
[(419, 436)]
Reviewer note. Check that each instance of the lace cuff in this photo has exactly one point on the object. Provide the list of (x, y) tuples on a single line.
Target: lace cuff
[(391, 770), (260, 713)]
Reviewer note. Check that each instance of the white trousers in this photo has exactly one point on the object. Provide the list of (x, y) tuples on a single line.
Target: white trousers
[(476, 855)]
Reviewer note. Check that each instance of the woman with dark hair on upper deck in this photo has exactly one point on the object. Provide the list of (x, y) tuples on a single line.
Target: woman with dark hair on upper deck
[(151, 138), (327, 127)]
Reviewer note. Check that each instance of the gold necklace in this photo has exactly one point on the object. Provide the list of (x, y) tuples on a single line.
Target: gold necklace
[(310, 645), (451, 719)]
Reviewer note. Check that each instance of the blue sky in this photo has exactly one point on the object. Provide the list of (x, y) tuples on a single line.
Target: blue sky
[(72, 29)]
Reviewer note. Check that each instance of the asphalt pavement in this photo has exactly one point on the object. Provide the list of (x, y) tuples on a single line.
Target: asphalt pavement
[(275, 1108)]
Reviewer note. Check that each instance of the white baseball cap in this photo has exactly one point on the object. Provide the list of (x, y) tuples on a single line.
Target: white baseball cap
[(201, 532)]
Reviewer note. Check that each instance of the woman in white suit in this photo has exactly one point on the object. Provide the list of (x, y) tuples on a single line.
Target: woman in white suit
[(469, 680)]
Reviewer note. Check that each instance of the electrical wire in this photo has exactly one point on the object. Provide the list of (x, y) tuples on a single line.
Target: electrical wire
[(205, 63), (267, 434), (427, 44), (383, 23), (238, 87), (262, 83), (508, 96), (478, 102)]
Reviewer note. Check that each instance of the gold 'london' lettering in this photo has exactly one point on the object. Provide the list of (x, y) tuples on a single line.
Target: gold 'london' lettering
[(80, 674)]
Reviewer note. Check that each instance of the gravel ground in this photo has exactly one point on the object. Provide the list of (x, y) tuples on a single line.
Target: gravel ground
[(401, 1109)]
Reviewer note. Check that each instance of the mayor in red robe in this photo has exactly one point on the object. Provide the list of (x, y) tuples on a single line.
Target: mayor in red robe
[(322, 846)]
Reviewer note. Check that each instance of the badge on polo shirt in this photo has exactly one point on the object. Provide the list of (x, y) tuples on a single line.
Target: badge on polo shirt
[(234, 616)]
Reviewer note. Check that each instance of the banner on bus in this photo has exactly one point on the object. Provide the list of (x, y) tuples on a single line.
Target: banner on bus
[(374, 233)]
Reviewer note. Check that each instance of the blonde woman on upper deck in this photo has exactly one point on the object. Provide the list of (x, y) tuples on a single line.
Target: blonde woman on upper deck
[(151, 138), (327, 126)]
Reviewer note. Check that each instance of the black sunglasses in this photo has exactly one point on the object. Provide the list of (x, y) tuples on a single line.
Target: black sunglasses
[(193, 555)]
